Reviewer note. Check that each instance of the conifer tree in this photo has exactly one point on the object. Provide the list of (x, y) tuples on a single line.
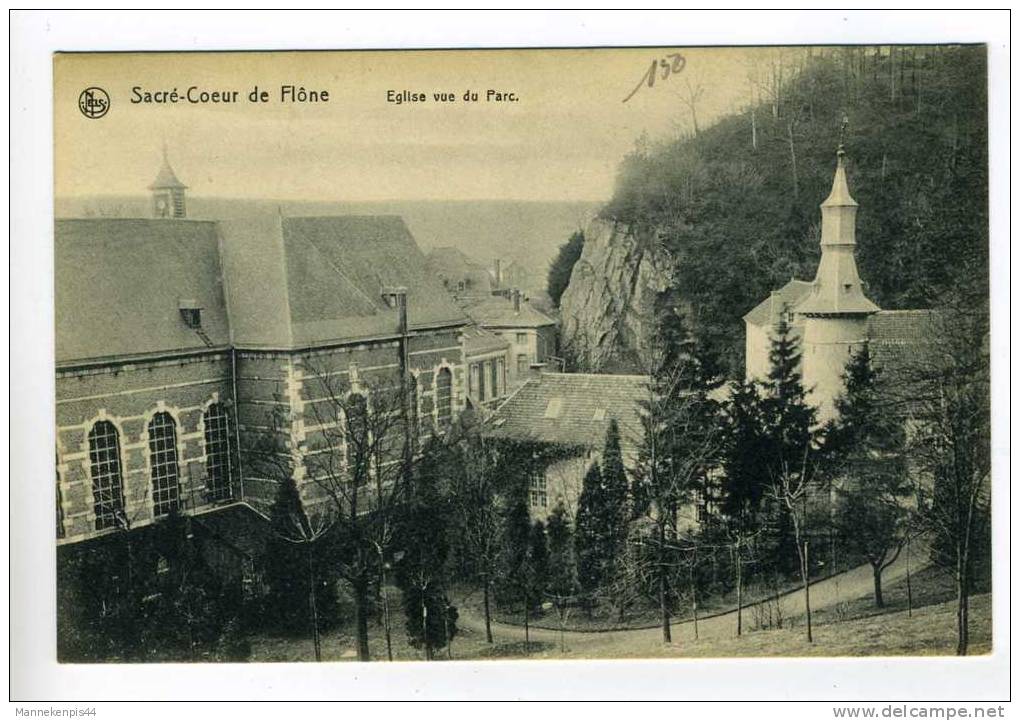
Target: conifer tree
[(680, 444), (562, 574), (865, 444), (591, 544), (788, 441), (563, 265), (744, 482), (421, 573), (538, 557), (302, 584)]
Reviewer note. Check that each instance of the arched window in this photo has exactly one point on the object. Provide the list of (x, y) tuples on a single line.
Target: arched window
[(218, 463), (107, 486), (414, 407), (356, 433), (163, 462), (444, 396)]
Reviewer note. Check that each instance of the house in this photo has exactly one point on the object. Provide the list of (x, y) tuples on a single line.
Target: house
[(831, 317), (566, 417), (458, 273), (487, 358), (508, 315), (177, 339)]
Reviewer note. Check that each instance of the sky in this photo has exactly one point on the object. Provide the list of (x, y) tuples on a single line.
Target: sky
[(561, 140)]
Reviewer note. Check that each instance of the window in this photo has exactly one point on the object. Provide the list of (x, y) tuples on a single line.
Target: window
[(218, 465), (522, 363), (486, 389), (358, 447), (555, 407), (166, 490), (538, 494), (357, 420), (493, 380), (414, 407), (522, 339), (501, 374), (444, 396), (474, 380), (107, 487)]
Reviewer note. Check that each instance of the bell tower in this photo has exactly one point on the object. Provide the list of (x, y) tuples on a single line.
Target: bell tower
[(835, 310), (168, 192)]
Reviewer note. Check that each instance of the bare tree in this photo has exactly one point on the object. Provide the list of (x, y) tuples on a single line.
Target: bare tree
[(946, 396), (691, 97), (478, 506), (352, 471), (790, 486)]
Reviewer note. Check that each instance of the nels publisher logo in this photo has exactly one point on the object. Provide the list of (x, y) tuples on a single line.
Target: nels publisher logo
[(93, 103)]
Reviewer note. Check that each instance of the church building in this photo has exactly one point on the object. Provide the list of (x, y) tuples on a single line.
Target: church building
[(832, 315), (175, 336)]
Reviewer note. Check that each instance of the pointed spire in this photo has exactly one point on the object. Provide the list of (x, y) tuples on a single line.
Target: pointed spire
[(840, 195), (167, 178), (837, 286)]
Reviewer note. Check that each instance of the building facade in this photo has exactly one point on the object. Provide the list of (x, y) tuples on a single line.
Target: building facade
[(179, 340), (530, 333)]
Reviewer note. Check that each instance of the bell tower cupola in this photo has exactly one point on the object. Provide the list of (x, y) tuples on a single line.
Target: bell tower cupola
[(168, 192), (837, 288)]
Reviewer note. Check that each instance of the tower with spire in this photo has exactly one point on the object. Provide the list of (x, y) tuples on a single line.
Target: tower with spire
[(836, 310), (168, 192), (830, 313)]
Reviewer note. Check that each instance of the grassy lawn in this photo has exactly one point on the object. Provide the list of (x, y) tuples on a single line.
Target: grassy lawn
[(851, 628)]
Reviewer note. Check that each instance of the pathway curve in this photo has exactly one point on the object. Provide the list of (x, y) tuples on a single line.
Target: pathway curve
[(846, 586)]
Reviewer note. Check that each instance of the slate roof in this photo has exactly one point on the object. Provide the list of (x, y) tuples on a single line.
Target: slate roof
[(265, 282), (572, 409), (478, 341), (497, 311), (118, 284), (337, 268), (767, 312), (895, 335)]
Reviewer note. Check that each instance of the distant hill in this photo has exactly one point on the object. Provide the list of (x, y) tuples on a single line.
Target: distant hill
[(528, 233), (734, 209)]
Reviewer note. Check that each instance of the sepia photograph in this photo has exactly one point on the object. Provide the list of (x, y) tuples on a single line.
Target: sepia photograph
[(521, 354)]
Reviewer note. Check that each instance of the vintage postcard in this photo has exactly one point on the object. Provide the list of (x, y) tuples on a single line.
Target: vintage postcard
[(611, 353)]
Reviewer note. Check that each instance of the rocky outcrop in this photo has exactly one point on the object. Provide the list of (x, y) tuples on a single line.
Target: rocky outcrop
[(606, 309)]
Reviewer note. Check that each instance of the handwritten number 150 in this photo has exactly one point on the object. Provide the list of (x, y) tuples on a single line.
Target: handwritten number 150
[(669, 65)]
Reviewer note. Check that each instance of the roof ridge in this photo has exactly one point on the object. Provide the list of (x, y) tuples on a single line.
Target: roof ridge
[(632, 376)]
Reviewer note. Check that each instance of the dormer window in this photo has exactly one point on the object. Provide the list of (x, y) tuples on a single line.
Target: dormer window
[(555, 407), (191, 312)]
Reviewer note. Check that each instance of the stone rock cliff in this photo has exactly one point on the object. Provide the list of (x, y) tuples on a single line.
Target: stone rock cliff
[(606, 308)]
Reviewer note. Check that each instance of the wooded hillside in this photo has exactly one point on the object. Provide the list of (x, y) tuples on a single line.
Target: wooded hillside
[(736, 205)]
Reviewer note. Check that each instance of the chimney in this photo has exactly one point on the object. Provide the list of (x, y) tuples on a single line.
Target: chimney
[(499, 273), (517, 300)]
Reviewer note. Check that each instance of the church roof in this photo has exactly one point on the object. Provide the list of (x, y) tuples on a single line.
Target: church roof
[(262, 282), (337, 268), (119, 283), (572, 409), (767, 312)]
